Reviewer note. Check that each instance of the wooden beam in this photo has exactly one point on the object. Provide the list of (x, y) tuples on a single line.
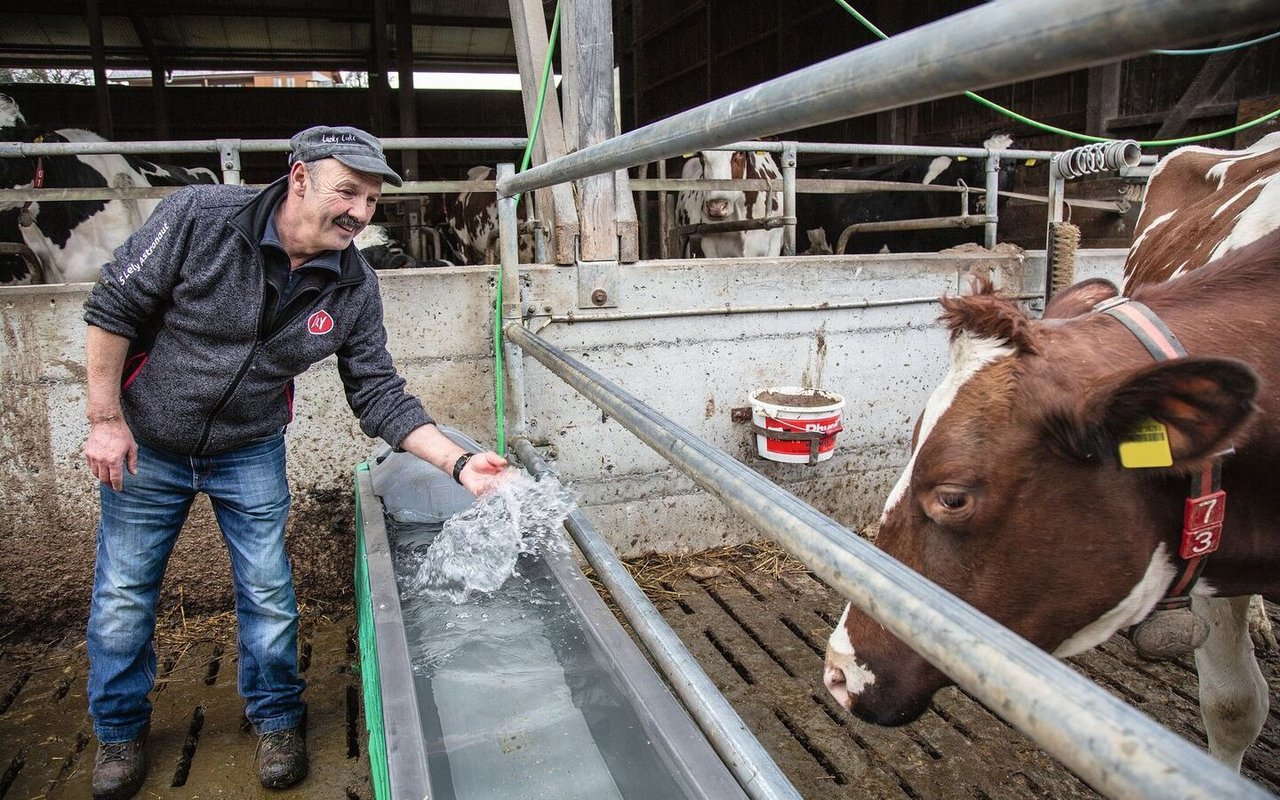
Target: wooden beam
[(556, 203), (1217, 70), (591, 82), (159, 106), (1103, 99), (97, 53), (378, 68), (408, 103)]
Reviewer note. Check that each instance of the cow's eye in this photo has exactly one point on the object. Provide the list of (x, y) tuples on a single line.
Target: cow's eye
[(953, 500), (950, 503)]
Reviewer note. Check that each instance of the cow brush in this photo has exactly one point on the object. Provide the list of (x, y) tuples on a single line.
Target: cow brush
[(1066, 241)]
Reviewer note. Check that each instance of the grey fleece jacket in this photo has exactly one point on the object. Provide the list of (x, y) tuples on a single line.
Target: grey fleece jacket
[(208, 369)]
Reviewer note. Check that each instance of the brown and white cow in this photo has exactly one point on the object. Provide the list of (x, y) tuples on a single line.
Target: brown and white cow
[(469, 223), (1014, 500), (722, 205), (1200, 205)]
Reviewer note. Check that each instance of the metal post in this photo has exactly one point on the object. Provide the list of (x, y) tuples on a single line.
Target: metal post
[(229, 159), (789, 198), (642, 213), (664, 251), (969, 50), (993, 201), (512, 305), (1117, 750), (1057, 189), (733, 741)]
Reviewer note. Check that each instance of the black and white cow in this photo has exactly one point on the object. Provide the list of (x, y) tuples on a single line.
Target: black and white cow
[(832, 213), (383, 252), (73, 239)]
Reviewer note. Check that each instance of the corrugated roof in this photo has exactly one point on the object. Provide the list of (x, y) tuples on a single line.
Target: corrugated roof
[(255, 34)]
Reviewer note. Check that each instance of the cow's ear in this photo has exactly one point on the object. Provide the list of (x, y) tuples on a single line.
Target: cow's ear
[(1080, 298), (1201, 402), (988, 315)]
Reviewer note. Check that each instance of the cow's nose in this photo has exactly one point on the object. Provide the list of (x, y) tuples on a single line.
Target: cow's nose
[(834, 678), (717, 209)]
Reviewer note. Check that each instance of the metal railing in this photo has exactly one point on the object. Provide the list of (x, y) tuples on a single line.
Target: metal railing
[(968, 51), (229, 152)]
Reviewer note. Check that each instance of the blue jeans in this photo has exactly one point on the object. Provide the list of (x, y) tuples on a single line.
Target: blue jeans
[(136, 532)]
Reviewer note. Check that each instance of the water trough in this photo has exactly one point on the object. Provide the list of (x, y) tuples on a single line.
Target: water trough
[(532, 690)]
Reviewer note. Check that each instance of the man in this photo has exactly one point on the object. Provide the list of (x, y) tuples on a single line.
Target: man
[(196, 331)]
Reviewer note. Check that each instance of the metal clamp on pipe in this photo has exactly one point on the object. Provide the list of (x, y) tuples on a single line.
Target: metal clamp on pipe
[(1093, 158)]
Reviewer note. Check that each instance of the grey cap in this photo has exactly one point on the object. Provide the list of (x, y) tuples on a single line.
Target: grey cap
[(351, 146)]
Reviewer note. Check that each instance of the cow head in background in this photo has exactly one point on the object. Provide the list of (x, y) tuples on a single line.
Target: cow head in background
[(1014, 500), (732, 205)]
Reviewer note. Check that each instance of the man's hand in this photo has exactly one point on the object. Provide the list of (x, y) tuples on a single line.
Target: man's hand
[(482, 473), (110, 449)]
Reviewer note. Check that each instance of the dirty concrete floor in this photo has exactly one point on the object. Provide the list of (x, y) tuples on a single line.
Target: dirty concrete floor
[(760, 638), (200, 744)]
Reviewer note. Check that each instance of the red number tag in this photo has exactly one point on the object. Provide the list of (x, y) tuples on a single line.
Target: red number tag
[(1202, 524)]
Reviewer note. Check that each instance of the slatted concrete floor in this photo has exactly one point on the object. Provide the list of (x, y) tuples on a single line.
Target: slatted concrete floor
[(761, 640), (200, 744)]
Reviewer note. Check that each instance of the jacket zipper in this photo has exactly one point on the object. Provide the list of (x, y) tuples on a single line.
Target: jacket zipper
[(253, 351)]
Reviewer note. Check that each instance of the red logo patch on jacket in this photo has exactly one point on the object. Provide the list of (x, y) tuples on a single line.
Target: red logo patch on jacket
[(319, 323)]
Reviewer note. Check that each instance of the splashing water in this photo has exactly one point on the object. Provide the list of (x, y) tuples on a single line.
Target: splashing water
[(478, 547)]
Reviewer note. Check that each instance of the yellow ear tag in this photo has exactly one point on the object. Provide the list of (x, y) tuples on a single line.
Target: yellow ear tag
[(1030, 162), (1147, 446)]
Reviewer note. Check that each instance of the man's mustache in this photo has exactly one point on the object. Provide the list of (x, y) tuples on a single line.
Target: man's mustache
[(348, 221)]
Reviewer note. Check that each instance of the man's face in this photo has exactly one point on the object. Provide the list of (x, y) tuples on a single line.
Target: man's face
[(337, 203)]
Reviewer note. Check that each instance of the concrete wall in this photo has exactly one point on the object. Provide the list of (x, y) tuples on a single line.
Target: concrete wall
[(694, 369)]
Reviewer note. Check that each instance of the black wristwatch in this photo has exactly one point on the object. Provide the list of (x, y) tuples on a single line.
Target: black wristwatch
[(459, 465)]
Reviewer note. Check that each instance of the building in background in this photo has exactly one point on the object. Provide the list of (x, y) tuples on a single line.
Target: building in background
[(241, 78)]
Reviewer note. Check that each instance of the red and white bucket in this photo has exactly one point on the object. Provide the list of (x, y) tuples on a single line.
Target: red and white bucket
[(799, 415)]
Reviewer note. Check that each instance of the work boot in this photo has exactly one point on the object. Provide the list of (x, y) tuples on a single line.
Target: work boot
[(282, 758), (119, 768)]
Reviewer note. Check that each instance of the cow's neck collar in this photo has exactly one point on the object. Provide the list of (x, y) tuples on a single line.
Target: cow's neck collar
[(37, 182), (1206, 502)]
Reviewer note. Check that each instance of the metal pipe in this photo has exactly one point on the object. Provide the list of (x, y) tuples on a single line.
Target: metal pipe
[(157, 192), (969, 50), (727, 311), (20, 149), (803, 185), (750, 763), (728, 226), (1119, 751), (664, 250), (921, 224), (853, 149), (789, 198), (512, 305), (992, 201)]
